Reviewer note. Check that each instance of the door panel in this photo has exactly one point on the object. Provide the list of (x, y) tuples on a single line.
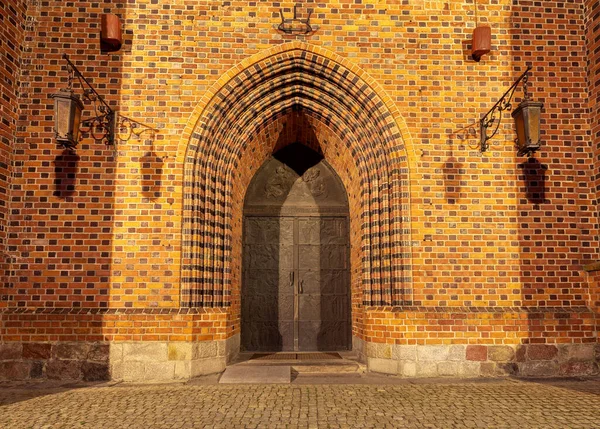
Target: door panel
[(268, 230), (323, 308), (309, 231), (323, 299), (334, 231), (336, 281), (296, 284), (330, 336), (268, 318)]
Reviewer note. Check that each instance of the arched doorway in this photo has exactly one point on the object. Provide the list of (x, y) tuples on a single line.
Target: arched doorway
[(296, 280), (265, 103)]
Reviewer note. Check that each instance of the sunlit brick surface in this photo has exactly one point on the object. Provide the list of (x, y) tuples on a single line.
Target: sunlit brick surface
[(142, 241)]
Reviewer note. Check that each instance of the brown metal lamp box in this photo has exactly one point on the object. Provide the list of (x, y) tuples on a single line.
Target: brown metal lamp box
[(482, 42), (110, 36)]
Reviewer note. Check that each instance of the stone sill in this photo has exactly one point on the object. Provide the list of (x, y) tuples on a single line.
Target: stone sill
[(590, 268)]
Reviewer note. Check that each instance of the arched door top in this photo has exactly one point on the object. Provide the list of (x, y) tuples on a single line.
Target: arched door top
[(296, 181)]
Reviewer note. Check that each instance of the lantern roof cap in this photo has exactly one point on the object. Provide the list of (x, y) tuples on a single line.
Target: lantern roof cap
[(68, 93)]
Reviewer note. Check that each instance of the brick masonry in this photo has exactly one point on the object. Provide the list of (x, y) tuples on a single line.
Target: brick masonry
[(141, 242), (13, 78), (593, 70)]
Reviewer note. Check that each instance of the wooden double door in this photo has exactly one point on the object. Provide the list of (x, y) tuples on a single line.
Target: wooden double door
[(296, 288)]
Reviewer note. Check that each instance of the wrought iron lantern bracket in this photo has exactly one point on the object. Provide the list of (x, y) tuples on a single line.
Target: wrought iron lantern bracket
[(102, 125), (105, 124), (492, 119)]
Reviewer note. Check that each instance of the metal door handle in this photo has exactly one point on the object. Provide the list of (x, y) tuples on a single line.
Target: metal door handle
[(301, 284), (291, 278)]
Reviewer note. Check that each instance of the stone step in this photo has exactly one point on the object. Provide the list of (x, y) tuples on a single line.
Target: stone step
[(342, 369), (305, 364), (295, 362), (251, 374), (285, 374)]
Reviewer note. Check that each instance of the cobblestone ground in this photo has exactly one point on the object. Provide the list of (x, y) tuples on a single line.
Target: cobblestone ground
[(495, 404)]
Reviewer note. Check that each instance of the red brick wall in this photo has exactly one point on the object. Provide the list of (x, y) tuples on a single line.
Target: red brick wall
[(556, 229), (593, 62), (62, 204), (13, 24), (87, 325), (490, 326), (480, 236)]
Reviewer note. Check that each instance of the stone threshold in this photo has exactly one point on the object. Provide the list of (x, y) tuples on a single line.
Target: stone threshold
[(346, 365), (296, 358)]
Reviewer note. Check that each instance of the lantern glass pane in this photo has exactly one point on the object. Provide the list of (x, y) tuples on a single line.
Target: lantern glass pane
[(61, 116), (520, 128), (76, 120), (533, 121), (67, 117)]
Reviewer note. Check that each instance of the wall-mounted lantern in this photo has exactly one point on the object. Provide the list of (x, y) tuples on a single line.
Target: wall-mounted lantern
[(527, 123), (67, 117), (105, 126), (67, 112), (527, 119)]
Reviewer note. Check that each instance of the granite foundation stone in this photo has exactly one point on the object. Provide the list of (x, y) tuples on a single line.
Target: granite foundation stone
[(530, 360)]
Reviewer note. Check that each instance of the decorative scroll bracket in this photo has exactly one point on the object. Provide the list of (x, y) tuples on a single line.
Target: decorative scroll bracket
[(106, 124), (493, 118), (102, 125)]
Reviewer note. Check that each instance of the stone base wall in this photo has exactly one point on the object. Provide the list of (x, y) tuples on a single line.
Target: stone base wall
[(55, 361), (358, 347), (120, 361), (166, 361), (534, 360), (232, 347)]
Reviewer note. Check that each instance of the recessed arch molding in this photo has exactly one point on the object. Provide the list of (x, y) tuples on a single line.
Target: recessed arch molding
[(328, 88)]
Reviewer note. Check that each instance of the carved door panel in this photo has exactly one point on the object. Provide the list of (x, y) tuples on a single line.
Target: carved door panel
[(296, 285), (268, 291), (323, 298)]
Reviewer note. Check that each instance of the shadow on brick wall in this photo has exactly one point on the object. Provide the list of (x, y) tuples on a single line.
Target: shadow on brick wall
[(65, 173), (151, 167), (534, 179)]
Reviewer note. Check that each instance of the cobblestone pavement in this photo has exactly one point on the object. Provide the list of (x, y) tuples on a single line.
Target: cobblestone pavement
[(413, 404)]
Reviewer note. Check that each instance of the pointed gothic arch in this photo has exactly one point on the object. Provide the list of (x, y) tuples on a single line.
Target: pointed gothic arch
[(232, 120)]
